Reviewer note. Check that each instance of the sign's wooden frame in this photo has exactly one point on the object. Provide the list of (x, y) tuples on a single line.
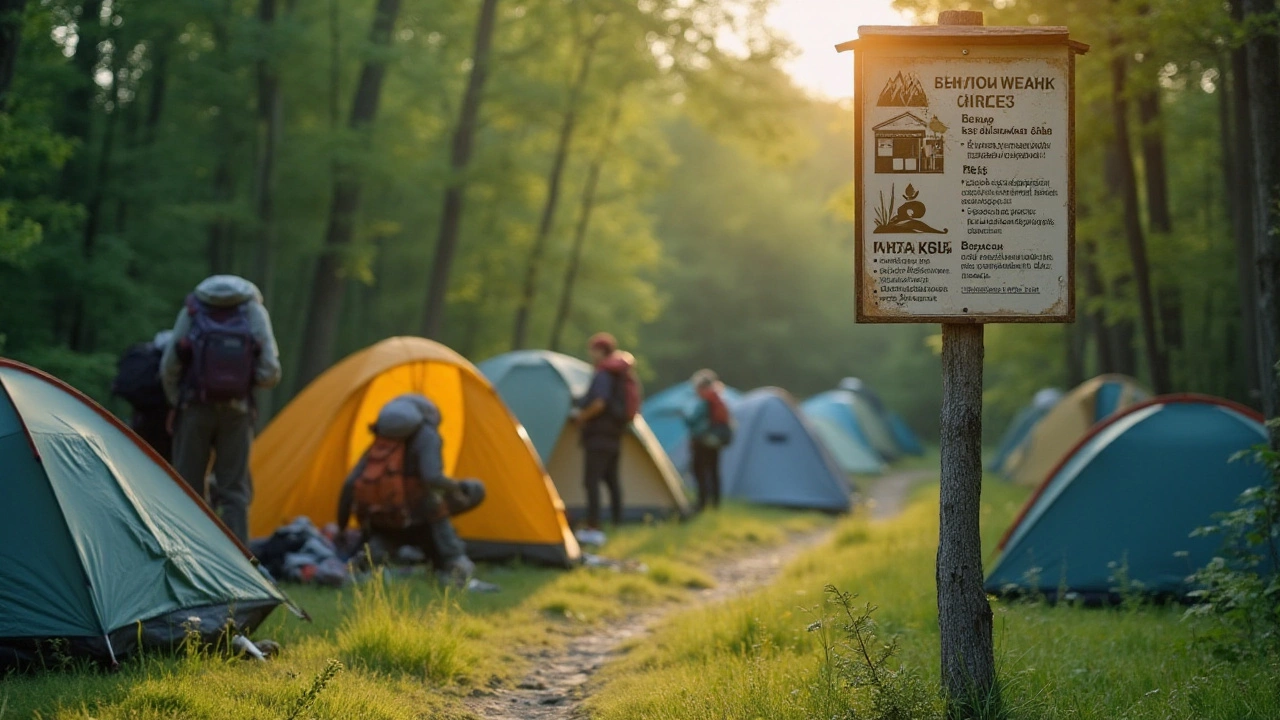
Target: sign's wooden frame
[(877, 37)]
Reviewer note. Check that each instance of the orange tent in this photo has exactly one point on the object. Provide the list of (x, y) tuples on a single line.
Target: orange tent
[(302, 458)]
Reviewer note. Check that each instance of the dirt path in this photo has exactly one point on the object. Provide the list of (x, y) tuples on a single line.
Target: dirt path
[(888, 496), (555, 688)]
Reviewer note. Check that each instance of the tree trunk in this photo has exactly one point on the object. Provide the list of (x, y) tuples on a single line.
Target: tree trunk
[(328, 285), (1098, 319), (524, 306), (1238, 150), (1156, 176), (82, 336), (1121, 177), (1262, 55), (459, 159), (79, 108), (587, 206), (270, 126), (964, 616), (12, 15)]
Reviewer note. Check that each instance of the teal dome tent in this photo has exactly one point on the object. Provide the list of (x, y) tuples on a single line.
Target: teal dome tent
[(103, 547)]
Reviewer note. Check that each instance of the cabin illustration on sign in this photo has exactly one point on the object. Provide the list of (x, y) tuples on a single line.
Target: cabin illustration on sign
[(907, 144)]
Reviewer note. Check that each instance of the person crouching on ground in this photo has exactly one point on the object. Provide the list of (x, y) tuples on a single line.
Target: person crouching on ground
[(710, 430), (603, 415), (400, 495)]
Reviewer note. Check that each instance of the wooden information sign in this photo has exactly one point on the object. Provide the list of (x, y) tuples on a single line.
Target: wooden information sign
[(965, 188)]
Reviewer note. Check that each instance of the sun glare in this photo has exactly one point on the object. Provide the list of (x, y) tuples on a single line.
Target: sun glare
[(815, 27)]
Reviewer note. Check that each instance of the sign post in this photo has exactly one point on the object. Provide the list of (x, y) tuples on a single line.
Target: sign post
[(965, 189)]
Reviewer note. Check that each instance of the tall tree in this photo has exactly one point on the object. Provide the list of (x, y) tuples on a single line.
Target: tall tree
[(328, 284), (559, 159), (1156, 179), (1123, 180), (459, 159), (11, 17), (585, 208), (270, 104), (1262, 55), (1238, 153)]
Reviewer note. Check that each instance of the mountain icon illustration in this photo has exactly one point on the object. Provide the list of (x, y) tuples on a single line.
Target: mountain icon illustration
[(903, 90)]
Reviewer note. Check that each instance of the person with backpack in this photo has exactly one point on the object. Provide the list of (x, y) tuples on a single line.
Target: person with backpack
[(710, 430), (400, 496), (603, 414), (138, 383), (222, 349)]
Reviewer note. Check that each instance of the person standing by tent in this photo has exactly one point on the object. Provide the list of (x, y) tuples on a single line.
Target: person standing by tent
[(222, 348), (400, 496), (710, 430), (603, 414), (138, 383)]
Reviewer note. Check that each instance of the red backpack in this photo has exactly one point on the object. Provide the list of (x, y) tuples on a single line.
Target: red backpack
[(384, 495), (628, 395)]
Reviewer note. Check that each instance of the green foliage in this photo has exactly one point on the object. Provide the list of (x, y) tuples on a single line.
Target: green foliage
[(856, 658), (1241, 588)]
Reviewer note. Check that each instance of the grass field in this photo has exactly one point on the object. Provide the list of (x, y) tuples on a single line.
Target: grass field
[(755, 657), (401, 648)]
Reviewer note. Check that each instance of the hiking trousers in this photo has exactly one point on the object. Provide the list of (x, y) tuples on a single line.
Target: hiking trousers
[(706, 471), (602, 467), (224, 432)]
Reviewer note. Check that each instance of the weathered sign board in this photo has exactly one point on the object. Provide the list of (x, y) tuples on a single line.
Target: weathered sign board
[(965, 190)]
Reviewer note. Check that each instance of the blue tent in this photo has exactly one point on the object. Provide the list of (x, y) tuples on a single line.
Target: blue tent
[(904, 435), (665, 412), (1020, 428), (850, 454), (776, 460), (1130, 494), (539, 387), (856, 414)]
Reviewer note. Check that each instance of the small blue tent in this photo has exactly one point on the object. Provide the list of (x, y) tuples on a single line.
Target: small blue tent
[(665, 412), (850, 454), (1130, 493), (539, 387), (904, 435), (1020, 428), (776, 460), (857, 415)]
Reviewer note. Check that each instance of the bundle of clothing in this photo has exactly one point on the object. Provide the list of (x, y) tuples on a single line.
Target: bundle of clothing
[(302, 553)]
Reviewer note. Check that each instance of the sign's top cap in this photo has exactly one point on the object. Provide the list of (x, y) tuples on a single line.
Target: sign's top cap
[(881, 35)]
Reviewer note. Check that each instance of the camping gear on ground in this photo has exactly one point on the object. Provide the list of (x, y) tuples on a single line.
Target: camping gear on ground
[(104, 547), (665, 412), (540, 388), (850, 454), (299, 552), (1020, 428), (1068, 421), (858, 417), (1120, 507), (302, 458), (777, 459)]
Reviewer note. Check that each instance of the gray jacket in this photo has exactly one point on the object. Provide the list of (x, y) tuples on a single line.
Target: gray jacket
[(224, 291)]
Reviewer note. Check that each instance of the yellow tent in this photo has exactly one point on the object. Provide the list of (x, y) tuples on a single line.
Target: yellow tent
[(1059, 431), (301, 459)]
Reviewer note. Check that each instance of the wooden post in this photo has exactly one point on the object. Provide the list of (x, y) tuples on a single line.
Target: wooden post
[(964, 616)]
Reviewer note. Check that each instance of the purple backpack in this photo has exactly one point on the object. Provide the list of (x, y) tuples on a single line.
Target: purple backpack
[(220, 352)]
